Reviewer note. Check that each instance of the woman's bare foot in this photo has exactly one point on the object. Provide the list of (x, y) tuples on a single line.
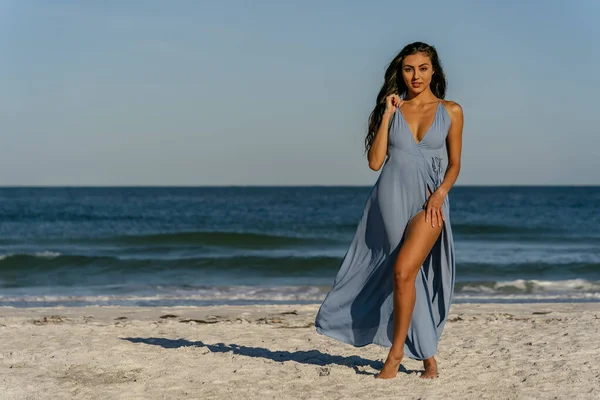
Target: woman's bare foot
[(391, 365), (430, 366)]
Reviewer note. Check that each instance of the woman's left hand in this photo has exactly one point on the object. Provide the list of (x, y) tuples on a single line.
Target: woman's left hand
[(433, 208)]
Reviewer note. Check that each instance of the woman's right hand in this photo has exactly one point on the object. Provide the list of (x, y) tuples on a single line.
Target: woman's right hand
[(392, 103)]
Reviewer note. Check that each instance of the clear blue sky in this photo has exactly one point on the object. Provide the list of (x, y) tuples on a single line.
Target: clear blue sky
[(279, 92)]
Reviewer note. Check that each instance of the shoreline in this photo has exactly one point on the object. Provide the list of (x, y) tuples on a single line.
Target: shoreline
[(487, 350)]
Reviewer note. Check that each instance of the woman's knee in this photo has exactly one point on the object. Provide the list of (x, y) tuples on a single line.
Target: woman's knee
[(404, 277), (405, 268)]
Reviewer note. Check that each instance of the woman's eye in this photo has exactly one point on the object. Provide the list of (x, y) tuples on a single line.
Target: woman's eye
[(423, 69)]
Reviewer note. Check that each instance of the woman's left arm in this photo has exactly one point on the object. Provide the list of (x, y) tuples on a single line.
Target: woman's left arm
[(454, 147), (433, 205)]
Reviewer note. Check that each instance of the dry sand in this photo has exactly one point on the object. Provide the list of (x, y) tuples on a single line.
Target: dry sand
[(487, 351)]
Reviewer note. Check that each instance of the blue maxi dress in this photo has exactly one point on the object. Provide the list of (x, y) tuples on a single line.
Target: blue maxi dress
[(358, 309)]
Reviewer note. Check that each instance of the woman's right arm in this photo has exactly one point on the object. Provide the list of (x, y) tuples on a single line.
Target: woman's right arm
[(378, 150)]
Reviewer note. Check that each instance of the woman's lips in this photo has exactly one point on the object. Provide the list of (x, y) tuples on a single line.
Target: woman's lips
[(416, 83)]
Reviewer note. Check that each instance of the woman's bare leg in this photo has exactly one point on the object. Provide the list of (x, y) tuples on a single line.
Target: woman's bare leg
[(420, 237)]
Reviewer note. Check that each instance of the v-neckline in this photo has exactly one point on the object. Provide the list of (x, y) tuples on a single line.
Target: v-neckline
[(437, 108)]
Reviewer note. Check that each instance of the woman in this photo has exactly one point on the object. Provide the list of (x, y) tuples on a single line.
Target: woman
[(396, 281)]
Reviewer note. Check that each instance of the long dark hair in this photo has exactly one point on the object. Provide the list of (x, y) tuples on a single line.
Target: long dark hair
[(394, 84)]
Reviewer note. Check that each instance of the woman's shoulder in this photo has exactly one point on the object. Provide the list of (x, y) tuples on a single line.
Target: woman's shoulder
[(451, 105), (453, 108)]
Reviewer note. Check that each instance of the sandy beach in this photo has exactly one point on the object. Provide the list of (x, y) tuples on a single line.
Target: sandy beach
[(487, 351)]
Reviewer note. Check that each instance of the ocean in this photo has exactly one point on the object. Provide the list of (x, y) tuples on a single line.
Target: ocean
[(165, 246)]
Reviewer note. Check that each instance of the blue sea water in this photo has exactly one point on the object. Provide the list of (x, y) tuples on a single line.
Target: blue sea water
[(149, 246)]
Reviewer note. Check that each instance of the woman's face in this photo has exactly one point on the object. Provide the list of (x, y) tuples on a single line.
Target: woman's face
[(417, 72)]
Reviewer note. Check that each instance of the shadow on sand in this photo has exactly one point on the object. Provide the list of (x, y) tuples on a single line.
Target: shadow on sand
[(312, 357)]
